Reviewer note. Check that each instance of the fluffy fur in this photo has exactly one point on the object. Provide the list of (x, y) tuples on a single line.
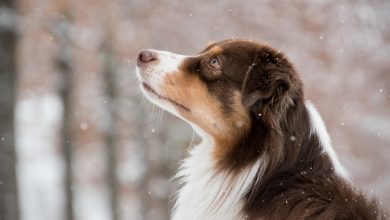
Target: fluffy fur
[(265, 152)]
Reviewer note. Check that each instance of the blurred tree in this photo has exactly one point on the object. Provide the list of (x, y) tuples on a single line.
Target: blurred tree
[(110, 132), (63, 63), (8, 76)]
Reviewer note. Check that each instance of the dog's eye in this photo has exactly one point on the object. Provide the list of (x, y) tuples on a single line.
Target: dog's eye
[(215, 63)]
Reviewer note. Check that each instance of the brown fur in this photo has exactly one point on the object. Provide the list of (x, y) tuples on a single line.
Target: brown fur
[(251, 106)]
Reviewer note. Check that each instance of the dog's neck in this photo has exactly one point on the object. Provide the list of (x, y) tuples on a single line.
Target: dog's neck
[(209, 192)]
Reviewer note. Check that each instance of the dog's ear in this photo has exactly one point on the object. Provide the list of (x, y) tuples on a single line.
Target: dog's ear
[(266, 81)]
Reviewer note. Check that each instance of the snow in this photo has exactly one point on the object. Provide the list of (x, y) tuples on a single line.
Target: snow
[(40, 167), (340, 51), (84, 126), (239, 123), (90, 204)]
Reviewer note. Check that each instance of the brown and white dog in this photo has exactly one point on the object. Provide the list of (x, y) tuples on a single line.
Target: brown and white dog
[(265, 152)]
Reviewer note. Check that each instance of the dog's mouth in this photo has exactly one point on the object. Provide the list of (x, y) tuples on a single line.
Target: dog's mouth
[(148, 88)]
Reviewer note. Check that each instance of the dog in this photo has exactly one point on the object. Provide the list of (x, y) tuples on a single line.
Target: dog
[(265, 152)]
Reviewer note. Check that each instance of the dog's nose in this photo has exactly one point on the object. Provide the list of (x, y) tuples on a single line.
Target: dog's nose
[(146, 56)]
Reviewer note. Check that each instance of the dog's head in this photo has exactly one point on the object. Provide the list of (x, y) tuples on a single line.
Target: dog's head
[(224, 89)]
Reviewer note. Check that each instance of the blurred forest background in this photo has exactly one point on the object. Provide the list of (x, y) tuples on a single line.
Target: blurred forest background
[(78, 140)]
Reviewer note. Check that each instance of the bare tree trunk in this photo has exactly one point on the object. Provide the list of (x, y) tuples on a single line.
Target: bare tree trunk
[(64, 66), (110, 137), (9, 209)]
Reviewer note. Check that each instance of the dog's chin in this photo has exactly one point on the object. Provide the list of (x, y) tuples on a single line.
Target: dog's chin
[(164, 102), (153, 97)]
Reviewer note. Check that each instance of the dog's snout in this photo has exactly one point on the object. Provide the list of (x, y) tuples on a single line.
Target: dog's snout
[(146, 56)]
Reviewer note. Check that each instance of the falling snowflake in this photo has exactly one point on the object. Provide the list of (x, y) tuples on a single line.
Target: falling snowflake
[(239, 124), (84, 125)]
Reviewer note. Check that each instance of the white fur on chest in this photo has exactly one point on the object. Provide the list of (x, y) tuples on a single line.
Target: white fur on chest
[(210, 195), (205, 194)]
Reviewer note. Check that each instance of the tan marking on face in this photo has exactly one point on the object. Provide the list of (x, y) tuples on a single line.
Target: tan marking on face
[(215, 50), (210, 43), (206, 110), (238, 121), (191, 92)]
